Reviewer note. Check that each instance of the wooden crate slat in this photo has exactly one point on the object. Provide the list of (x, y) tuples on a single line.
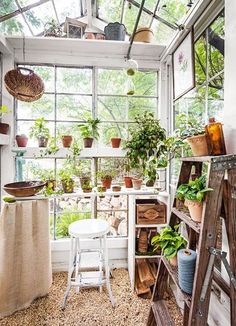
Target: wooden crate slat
[(161, 313), (181, 214)]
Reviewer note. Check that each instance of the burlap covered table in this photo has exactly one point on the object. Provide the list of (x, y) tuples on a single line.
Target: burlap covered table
[(25, 258)]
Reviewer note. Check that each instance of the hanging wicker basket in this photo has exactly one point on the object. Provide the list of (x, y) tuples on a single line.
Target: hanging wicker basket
[(27, 87), (144, 34)]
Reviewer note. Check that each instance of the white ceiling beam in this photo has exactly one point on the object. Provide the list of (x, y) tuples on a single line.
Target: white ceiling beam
[(5, 46)]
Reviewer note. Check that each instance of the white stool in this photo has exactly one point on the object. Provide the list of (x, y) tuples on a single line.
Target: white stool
[(88, 229)]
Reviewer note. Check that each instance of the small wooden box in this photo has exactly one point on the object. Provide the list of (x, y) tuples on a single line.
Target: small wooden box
[(151, 212)]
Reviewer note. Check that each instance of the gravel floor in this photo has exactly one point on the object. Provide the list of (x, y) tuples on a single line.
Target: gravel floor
[(88, 308)]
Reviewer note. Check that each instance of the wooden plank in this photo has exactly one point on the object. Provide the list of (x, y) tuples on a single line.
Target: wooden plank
[(139, 286), (186, 315), (144, 272), (221, 282), (211, 210), (160, 286), (151, 319), (231, 232), (184, 216), (161, 313)]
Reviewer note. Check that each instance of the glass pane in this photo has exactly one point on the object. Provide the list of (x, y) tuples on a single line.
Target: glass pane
[(80, 204), (70, 80), (162, 33), (149, 4), (15, 26), (69, 8), (38, 169), (23, 127), (110, 11), (117, 221), (7, 7), (24, 3), (109, 130), (216, 41), (139, 105), (145, 83), (200, 60), (130, 17), (112, 108), (47, 75), (216, 98), (69, 128), (173, 10), (73, 107), (117, 165), (111, 81), (39, 16), (44, 107)]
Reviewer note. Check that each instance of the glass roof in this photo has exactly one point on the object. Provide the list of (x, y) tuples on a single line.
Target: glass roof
[(28, 17)]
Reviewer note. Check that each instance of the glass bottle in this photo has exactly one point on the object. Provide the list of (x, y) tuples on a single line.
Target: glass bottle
[(215, 135)]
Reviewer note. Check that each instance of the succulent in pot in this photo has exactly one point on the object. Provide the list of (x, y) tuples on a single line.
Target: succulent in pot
[(67, 182), (4, 127), (194, 132), (21, 140), (170, 241), (40, 131), (106, 177), (194, 193), (66, 140), (89, 131)]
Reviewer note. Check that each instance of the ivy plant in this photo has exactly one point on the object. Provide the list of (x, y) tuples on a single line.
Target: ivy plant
[(188, 127)]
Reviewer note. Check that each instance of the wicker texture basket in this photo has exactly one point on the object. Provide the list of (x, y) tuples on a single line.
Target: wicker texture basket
[(144, 34), (25, 87)]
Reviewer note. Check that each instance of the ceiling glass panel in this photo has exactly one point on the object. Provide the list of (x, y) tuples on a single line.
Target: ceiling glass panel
[(39, 16), (24, 3), (69, 8), (110, 11), (14, 26), (130, 17), (162, 33), (149, 4), (7, 6), (173, 10)]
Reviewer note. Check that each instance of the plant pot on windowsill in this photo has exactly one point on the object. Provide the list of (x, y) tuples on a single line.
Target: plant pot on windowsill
[(87, 189), (198, 145), (137, 183), (128, 182), (115, 142), (51, 184), (150, 183), (21, 140), (195, 209), (68, 186), (66, 141), (106, 182), (4, 127), (88, 142), (101, 189), (84, 181), (116, 189), (42, 141)]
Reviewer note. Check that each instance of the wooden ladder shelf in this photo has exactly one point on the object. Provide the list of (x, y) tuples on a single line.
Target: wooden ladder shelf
[(221, 176)]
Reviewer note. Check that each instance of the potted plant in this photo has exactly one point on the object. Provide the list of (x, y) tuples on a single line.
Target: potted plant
[(194, 194), (170, 241), (21, 140), (66, 140), (137, 183), (194, 133), (106, 177), (52, 29), (89, 131), (40, 131), (87, 186), (67, 182), (4, 127), (145, 145)]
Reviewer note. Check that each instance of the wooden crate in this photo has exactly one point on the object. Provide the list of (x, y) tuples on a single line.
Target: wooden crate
[(152, 212)]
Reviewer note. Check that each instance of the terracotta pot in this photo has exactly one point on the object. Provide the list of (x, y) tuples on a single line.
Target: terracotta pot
[(144, 34), (106, 182), (150, 183), (90, 36), (128, 182), (87, 190), (198, 145), (115, 142), (42, 141), (173, 261), (4, 127), (67, 186), (137, 183), (88, 142), (195, 209), (116, 188), (21, 140), (66, 141)]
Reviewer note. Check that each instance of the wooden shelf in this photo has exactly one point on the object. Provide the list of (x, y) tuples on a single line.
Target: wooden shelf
[(149, 225), (4, 139), (173, 272), (186, 219), (214, 159), (161, 314), (147, 256)]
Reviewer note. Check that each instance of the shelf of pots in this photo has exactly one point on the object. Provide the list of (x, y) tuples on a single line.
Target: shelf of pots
[(170, 242), (89, 131), (193, 195)]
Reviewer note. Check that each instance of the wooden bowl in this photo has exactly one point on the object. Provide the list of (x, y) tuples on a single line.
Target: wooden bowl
[(24, 188)]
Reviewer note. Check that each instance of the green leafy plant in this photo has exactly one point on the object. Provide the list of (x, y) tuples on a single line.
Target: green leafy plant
[(194, 190), (169, 240), (188, 127), (89, 128), (4, 110), (106, 174), (51, 149), (39, 129), (52, 28), (66, 218)]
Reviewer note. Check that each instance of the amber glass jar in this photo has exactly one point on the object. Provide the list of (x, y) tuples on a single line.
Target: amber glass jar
[(215, 135)]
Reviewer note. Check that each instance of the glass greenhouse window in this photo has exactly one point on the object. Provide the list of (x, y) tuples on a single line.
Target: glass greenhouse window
[(71, 96)]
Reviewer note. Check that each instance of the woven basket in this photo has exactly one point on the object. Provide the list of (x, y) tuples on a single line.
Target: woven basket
[(25, 87), (144, 34)]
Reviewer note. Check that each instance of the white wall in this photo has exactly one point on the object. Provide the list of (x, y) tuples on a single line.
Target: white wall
[(230, 76)]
